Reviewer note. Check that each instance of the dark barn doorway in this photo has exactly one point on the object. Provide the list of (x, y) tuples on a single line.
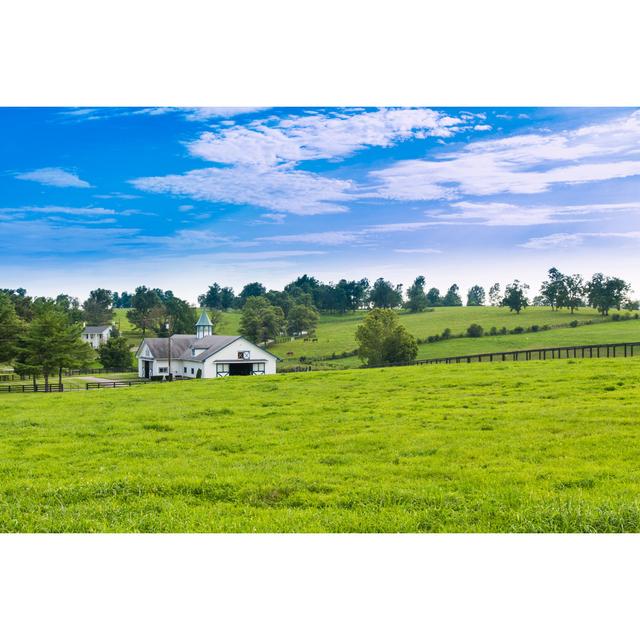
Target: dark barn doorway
[(146, 368), (240, 369)]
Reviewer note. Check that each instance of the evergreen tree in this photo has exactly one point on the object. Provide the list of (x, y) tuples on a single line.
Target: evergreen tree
[(115, 353), (416, 297), (10, 327), (51, 342)]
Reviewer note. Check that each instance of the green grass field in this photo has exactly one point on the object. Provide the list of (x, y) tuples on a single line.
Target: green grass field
[(537, 446)]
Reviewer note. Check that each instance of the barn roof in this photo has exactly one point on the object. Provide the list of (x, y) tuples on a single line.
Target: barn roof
[(181, 346), (97, 329)]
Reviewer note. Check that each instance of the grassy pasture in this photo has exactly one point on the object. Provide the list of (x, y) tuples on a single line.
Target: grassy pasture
[(522, 447)]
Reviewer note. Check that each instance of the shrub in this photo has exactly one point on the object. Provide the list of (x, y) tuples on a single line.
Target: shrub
[(503, 331), (446, 334), (534, 328), (615, 317), (573, 323), (493, 331), (475, 331), (517, 330)]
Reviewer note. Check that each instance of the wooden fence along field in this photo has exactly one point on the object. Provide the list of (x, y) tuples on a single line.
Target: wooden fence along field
[(612, 350)]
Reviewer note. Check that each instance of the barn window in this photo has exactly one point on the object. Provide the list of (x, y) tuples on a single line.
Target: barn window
[(184, 369), (244, 355), (191, 370), (163, 369)]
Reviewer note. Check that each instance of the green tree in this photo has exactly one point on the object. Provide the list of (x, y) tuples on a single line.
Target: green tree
[(384, 295), (98, 307), (10, 327), (604, 292), (115, 353), (251, 290), (433, 297), (51, 342), (146, 308), (383, 340), (574, 291), (553, 290), (515, 296), (475, 296), (416, 297), (495, 298), (452, 297), (302, 318), (261, 321)]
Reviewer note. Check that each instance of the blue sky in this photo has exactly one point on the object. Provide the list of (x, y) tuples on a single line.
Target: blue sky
[(178, 198)]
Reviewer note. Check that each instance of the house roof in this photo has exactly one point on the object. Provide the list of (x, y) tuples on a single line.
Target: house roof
[(98, 329), (204, 320)]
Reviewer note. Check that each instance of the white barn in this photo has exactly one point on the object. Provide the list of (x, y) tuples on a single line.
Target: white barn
[(203, 355), (96, 336)]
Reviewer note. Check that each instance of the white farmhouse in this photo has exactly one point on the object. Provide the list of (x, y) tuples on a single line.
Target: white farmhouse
[(95, 336), (203, 355)]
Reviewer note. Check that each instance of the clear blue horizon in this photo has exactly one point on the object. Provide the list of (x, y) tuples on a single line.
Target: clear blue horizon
[(180, 197)]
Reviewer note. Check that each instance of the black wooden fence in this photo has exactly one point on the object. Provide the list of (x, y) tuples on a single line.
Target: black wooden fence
[(113, 384), (31, 388), (611, 350)]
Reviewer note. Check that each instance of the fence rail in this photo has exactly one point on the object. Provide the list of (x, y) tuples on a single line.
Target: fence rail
[(610, 350), (113, 384), (31, 388)]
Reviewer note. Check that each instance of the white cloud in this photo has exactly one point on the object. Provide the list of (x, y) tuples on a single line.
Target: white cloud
[(483, 127), (208, 113), (54, 177), (495, 214), (349, 236), (417, 251), (331, 238), (75, 211), (185, 207), (565, 240), (273, 218), (524, 164), (320, 136), (299, 192), (262, 157)]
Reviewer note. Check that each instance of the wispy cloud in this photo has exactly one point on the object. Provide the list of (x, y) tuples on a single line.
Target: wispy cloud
[(523, 164), (495, 214), (299, 192), (75, 211), (54, 177), (417, 251), (565, 240), (262, 157), (342, 237)]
